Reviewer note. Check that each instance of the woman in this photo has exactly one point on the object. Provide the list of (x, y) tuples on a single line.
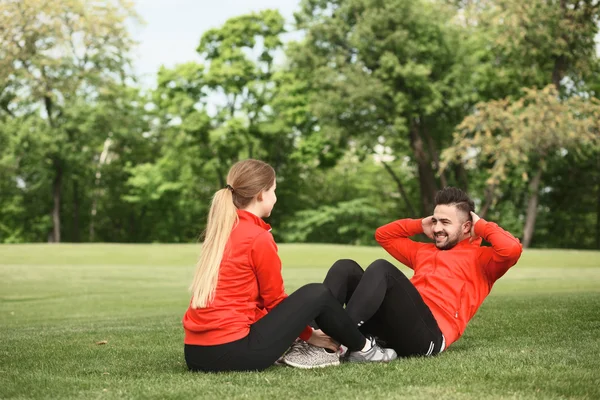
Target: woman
[(239, 316)]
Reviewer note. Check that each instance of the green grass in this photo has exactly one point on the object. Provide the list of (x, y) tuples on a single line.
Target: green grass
[(536, 336)]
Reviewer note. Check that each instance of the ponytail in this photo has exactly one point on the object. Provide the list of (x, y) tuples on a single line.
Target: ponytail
[(221, 219), (245, 180)]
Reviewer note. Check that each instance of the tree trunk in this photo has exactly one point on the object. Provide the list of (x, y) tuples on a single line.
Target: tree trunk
[(426, 175), (435, 156), (76, 236), (56, 192), (598, 220), (532, 203), (104, 159), (489, 200), (221, 176), (58, 172), (558, 72), (460, 174), (93, 220), (396, 179), (560, 63), (598, 205)]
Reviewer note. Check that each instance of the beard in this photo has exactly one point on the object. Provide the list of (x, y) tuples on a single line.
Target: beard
[(447, 244)]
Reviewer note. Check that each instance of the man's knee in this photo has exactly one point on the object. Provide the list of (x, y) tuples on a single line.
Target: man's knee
[(381, 266), (345, 267)]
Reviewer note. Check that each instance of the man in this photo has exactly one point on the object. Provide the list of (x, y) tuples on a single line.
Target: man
[(452, 277)]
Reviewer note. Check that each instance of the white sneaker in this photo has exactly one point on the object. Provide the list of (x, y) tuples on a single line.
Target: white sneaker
[(374, 354), (307, 356)]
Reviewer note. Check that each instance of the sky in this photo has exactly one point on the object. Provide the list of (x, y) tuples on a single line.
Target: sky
[(173, 28)]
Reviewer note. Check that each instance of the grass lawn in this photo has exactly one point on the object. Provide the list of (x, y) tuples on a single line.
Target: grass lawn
[(536, 336)]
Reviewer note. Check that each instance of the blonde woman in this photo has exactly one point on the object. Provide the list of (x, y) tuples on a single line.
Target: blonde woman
[(239, 316)]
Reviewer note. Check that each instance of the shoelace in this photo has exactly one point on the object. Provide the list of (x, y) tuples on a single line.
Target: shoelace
[(301, 347), (379, 349), (385, 356)]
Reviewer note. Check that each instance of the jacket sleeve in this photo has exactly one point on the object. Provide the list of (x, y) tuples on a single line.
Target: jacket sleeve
[(504, 253), (267, 265), (394, 238)]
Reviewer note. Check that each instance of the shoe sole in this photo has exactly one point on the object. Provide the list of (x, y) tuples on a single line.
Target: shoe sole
[(302, 366), (368, 361)]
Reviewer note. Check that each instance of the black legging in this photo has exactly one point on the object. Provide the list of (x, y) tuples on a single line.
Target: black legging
[(384, 303), (270, 336)]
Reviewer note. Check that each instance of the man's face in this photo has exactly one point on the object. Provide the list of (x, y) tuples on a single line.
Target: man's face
[(450, 226)]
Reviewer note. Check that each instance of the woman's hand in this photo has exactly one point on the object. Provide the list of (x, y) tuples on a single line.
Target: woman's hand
[(320, 339)]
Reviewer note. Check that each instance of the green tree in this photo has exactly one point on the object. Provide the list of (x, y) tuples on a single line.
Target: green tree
[(387, 75), (56, 55), (527, 45), (239, 58), (526, 135), (340, 208), (234, 105)]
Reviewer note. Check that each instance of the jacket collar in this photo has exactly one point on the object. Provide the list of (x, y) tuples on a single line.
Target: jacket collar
[(465, 243), (248, 216)]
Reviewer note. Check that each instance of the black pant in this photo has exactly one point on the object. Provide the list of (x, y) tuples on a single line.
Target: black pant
[(384, 303), (273, 334)]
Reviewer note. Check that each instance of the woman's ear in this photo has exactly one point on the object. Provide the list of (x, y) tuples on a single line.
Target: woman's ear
[(259, 197)]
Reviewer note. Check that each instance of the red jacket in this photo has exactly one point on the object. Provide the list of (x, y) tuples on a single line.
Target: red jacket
[(453, 283), (249, 285)]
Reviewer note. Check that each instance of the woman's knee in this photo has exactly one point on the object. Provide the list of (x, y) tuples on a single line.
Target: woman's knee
[(314, 290)]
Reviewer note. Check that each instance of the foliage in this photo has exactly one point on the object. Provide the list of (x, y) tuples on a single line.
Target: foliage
[(509, 133), (378, 105)]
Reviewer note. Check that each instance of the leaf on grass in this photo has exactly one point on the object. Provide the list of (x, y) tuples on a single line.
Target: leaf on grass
[(102, 342)]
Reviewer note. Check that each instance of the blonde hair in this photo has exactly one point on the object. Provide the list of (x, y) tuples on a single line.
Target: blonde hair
[(246, 180)]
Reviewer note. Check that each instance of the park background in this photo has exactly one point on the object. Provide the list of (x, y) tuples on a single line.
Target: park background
[(110, 151), (364, 108)]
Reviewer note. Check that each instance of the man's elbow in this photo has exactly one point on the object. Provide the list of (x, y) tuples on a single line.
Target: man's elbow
[(380, 235), (514, 252)]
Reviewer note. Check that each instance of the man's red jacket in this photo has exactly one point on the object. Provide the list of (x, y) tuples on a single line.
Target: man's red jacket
[(453, 283)]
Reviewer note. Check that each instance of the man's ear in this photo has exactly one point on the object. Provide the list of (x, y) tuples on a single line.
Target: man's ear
[(260, 196), (468, 227)]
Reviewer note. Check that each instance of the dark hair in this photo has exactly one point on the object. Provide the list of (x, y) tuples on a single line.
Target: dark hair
[(455, 197)]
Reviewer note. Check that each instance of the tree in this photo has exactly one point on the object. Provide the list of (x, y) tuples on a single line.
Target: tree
[(569, 203), (526, 135), (528, 45), (239, 57), (339, 208), (387, 74), (55, 55), (251, 113)]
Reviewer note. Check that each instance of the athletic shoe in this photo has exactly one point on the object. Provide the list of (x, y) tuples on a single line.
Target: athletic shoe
[(307, 356), (375, 354), (343, 351), (279, 362)]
